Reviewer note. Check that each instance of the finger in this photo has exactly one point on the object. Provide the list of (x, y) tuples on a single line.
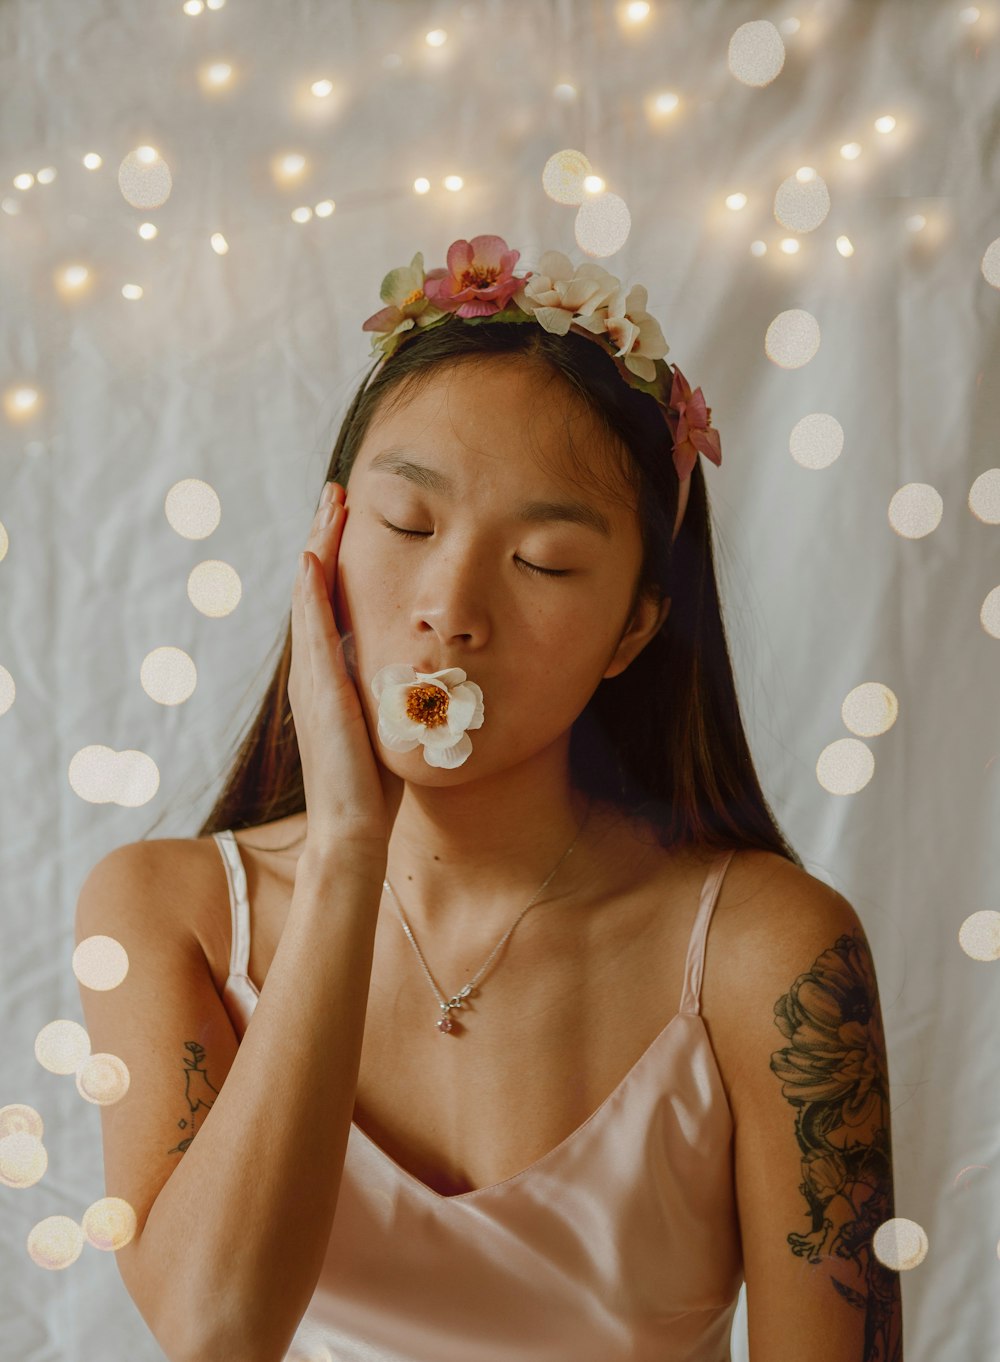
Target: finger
[(330, 551), (321, 627), (301, 647), (324, 540), (306, 591)]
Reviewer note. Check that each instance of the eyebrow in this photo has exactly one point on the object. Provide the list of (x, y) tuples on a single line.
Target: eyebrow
[(394, 460)]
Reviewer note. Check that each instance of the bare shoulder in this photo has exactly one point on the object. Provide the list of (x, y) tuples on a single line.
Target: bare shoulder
[(760, 883), (169, 867), (173, 885), (783, 935), (768, 903)]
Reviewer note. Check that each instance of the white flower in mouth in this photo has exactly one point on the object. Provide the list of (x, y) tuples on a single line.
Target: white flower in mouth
[(432, 709)]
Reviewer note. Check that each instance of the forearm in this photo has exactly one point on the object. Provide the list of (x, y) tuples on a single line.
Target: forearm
[(237, 1236)]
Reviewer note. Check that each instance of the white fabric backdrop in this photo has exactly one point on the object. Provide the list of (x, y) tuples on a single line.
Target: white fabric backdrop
[(236, 369)]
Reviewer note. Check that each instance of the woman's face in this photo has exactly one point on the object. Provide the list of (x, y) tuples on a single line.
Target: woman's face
[(465, 594)]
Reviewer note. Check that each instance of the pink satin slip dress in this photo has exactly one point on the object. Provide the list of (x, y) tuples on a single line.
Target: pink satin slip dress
[(620, 1245)]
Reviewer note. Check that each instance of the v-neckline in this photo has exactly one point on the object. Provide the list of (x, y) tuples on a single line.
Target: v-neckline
[(543, 1158)]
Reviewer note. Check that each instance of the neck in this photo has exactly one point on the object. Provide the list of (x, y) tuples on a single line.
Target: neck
[(470, 857)]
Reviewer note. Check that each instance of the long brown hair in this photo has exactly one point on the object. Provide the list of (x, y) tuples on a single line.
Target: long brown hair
[(665, 736)]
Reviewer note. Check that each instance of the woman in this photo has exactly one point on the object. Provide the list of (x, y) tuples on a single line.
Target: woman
[(607, 1129)]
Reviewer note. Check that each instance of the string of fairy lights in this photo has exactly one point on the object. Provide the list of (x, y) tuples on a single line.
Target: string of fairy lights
[(799, 204)]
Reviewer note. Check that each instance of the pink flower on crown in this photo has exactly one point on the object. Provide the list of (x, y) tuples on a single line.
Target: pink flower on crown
[(409, 306), (479, 279), (690, 422)]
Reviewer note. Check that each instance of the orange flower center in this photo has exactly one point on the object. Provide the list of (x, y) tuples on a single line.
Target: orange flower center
[(480, 276), (413, 297), (427, 705)]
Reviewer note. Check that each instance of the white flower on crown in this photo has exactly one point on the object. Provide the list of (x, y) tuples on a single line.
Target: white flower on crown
[(429, 709), (556, 293), (560, 296)]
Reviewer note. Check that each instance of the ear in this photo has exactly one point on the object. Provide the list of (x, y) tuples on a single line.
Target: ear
[(643, 625)]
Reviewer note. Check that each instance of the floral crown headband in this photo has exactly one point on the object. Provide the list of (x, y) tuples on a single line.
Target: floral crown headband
[(479, 285)]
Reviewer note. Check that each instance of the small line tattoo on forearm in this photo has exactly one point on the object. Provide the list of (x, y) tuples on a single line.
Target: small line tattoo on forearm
[(198, 1093)]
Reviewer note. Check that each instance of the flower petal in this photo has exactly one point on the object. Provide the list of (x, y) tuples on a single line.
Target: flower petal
[(469, 688), (390, 675), (554, 319), (398, 284), (638, 364), (555, 265), (395, 741), (491, 250), (461, 708), (447, 677), (449, 757)]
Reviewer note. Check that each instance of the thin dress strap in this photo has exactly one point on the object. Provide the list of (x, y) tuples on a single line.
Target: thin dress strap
[(239, 903), (695, 964)]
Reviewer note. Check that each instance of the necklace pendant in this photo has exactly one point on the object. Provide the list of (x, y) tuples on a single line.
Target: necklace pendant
[(446, 1024)]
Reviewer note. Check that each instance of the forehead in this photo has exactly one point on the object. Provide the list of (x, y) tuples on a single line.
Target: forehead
[(516, 425)]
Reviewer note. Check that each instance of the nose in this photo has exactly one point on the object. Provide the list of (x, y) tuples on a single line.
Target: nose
[(452, 604)]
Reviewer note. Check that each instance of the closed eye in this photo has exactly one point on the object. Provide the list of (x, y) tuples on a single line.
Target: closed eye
[(423, 534)]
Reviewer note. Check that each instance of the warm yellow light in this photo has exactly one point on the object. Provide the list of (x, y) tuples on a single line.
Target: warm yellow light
[(437, 37), (805, 174), (24, 180), (219, 73), (302, 214), (789, 245), (885, 124), (21, 402), (850, 151), (147, 230), (293, 164), (845, 245), (325, 207), (92, 161), (193, 6), (147, 155), (421, 185), (219, 243), (453, 182), (321, 88), (133, 292), (75, 276), (736, 201), (46, 175), (636, 11), (593, 184)]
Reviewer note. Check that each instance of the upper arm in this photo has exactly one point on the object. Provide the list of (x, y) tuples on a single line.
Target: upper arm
[(812, 1137), (165, 1020)]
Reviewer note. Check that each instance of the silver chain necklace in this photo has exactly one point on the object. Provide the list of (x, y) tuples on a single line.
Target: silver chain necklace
[(445, 1023)]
